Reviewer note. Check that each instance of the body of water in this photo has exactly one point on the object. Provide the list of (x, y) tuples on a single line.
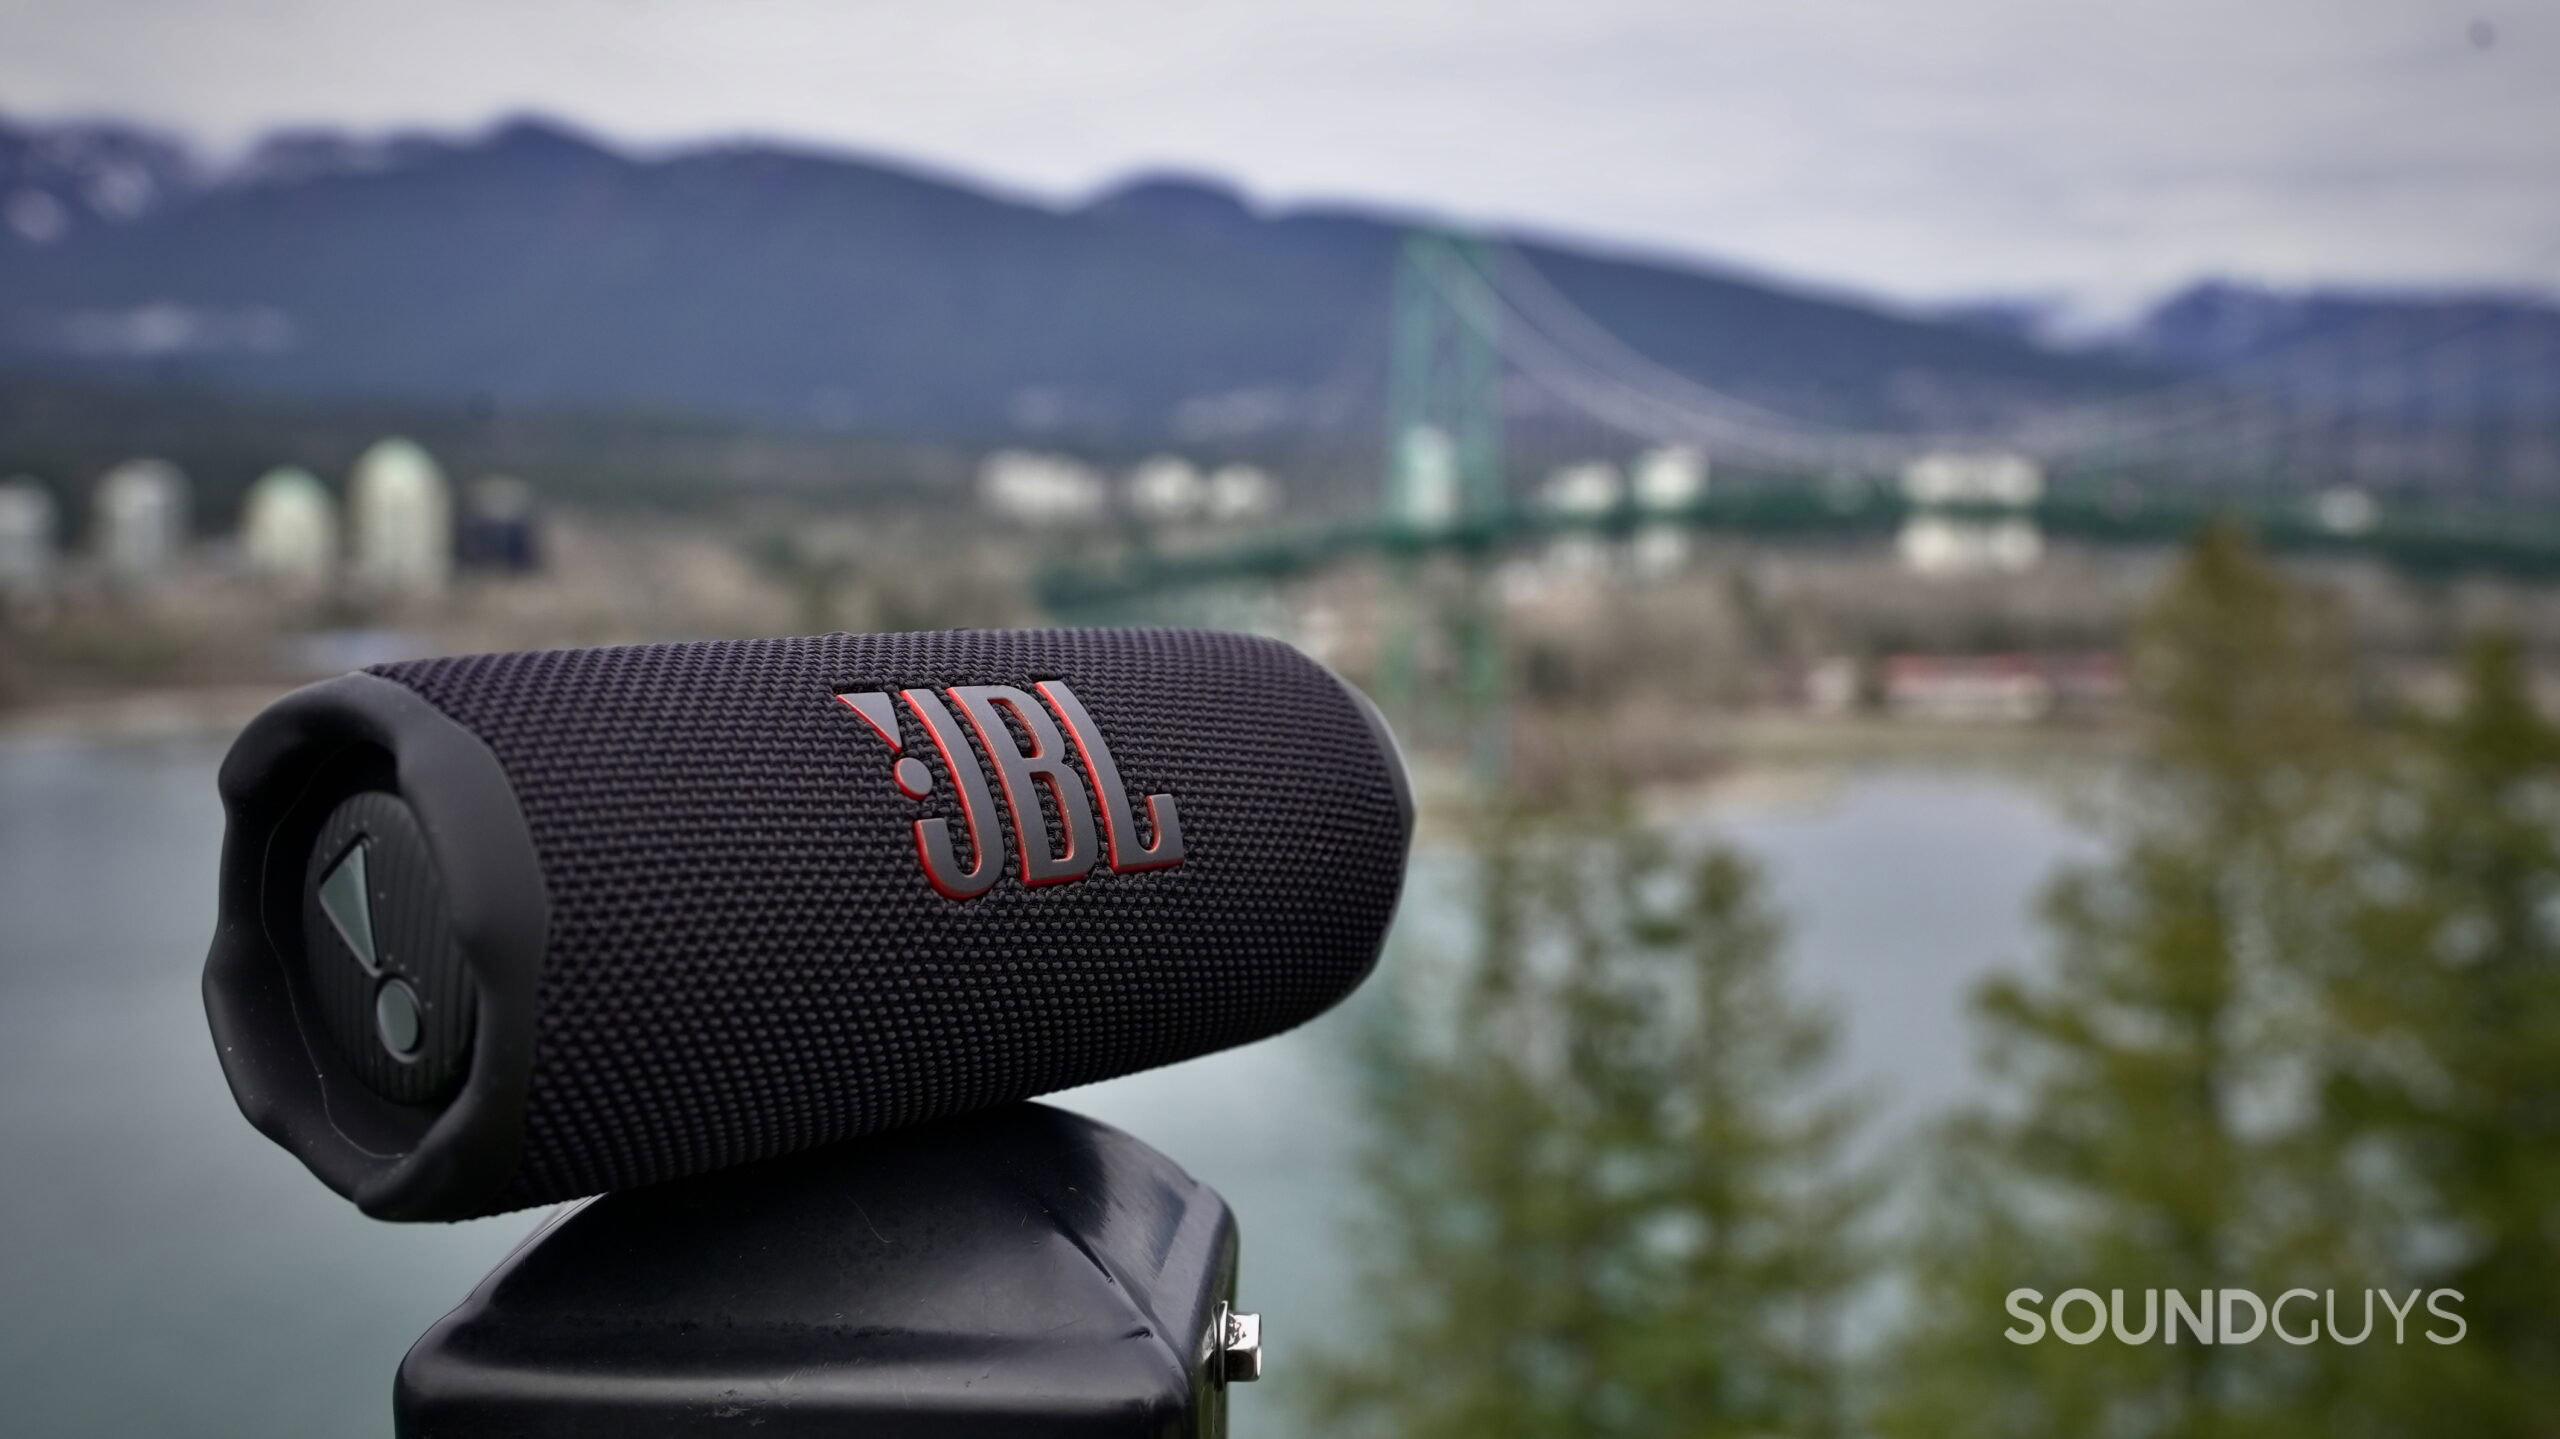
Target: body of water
[(166, 1270)]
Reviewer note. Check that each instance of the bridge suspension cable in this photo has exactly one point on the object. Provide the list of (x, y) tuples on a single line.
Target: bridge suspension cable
[(2310, 406)]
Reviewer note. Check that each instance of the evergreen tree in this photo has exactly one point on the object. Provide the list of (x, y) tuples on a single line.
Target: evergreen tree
[(2450, 1000), (2158, 1127), (1608, 1192)]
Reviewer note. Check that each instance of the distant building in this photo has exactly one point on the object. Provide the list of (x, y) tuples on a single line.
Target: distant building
[(1659, 549), (1673, 477), (28, 526), (289, 528), (139, 519), (1166, 487), (1665, 481), (1955, 479), (400, 514), (1576, 558), (1584, 491), (1038, 489), (2345, 511), (1426, 493), (1237, 493), (500, 533), (1937, 545)]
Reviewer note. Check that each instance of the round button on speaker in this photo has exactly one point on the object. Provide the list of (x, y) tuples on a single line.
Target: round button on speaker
[(379, 959)]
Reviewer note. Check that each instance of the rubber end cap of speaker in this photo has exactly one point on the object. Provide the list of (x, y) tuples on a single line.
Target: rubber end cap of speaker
[(1390, 750)]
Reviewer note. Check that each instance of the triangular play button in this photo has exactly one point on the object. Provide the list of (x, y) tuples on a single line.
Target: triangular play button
[(349, 903)]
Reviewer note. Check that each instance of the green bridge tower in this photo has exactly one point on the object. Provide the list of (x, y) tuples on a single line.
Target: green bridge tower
[(1443, 481)]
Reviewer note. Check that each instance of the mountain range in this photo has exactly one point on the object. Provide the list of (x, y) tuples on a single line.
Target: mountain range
[(532, 267)]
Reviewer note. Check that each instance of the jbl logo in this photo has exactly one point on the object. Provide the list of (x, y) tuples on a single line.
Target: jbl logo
[(1024, 776)]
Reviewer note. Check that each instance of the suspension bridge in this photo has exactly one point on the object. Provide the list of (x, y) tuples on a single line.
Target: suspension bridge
[(2431, 443)]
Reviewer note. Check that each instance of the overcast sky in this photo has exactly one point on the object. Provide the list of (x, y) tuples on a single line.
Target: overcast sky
[(1921, 150)]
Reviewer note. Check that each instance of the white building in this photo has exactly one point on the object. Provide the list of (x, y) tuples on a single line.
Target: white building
[(28, 521), (1237, 493), (1960, 479), (1427, 479), (400, 518), (1665, 481), (289, 528), (1658, 549), (139, 518), (1038, 489), (1584, 491), (1587, 491), (2344, 510), (1673, 477), (1939, 545), (1166, 487)]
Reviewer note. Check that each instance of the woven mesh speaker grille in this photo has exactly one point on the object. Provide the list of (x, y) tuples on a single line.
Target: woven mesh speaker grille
[(746, 958)]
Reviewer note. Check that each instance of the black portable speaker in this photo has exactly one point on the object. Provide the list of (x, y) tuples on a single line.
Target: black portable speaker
[(507, 929)]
